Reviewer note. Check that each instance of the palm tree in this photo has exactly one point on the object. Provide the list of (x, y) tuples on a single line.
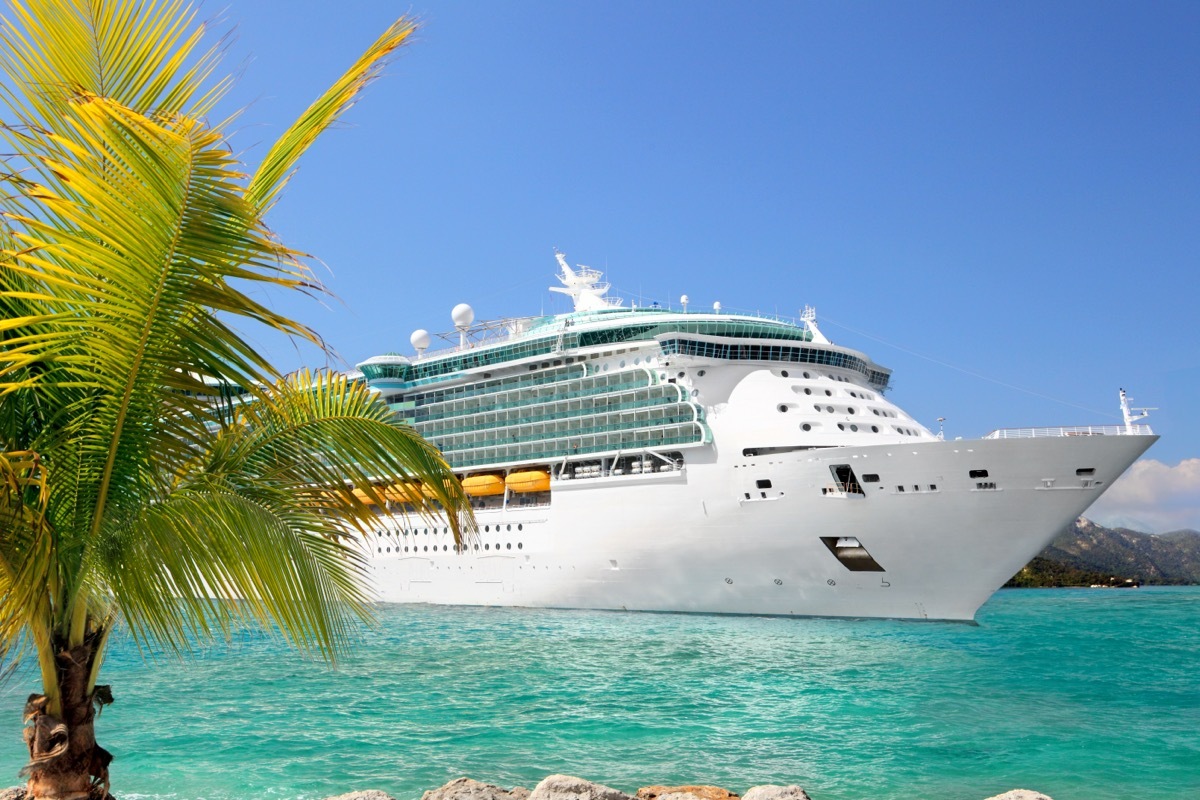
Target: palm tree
[(155, 471)]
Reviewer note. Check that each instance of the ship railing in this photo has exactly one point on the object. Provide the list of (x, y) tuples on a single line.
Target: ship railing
[(1077, 430)]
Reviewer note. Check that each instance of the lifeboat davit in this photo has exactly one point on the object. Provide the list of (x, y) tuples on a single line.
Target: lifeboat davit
[(528, 480), (485, 485)]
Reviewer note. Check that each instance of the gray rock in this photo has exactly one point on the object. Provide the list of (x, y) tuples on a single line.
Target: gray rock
[(1020, 794), (773, 792), (467, 789), (565, 787), (15, 793), (369, 794)]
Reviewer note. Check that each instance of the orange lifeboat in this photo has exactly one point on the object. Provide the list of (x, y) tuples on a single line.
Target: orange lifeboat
[(404, 493), (485, 485), (363, 497), (528, 480)]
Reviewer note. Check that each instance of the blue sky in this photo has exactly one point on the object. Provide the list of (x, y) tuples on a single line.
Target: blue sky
[(999, 201)]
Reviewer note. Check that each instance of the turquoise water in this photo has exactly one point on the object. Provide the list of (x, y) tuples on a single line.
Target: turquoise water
[(1078, 693)]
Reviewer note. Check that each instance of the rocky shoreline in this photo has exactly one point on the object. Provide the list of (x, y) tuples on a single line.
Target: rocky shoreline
[(566, 787)]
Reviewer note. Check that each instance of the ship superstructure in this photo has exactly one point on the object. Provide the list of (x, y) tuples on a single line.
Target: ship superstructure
[(656, 459)]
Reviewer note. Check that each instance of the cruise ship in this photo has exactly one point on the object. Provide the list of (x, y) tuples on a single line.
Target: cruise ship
[(645, 458)]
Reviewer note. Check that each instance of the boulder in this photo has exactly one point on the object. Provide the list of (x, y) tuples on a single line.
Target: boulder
[(685, 793), (467, 789), (773, 792), (369, 794), (565, 787), (1020, 794), (15, 793)]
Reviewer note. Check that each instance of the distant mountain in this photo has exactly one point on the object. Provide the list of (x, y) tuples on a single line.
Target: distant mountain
[(1086, 554)]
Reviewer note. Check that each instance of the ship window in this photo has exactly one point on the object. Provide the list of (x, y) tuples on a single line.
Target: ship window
[(828, 393), (850, 552), (870, 477), (510, 527), (807, 375), (933, 487), (829, 409), (783, 372), (520, 527), (806, 427), (978, 473), (700, 373), (807, 390), (874, 429), (900, 489), (508, 546), (485, 547), (558, 363), (1085, 471), (854, 428), (520, 545), (763, 483), (783, 408), (747, 495), (841, 427), (426, 548)]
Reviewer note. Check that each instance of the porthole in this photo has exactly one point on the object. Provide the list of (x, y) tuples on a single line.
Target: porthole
[(850, 410), (622, 364), (637, 361), (682, 374), (817, 407), (829, 409), (807, 375), (828, 393), (807, 390), (497, 545), (520, 545), (380, 550), (487, 528), (700, 373), (476, 547), (783, 372), (854, 428), (510, 527), (841, 427), (695, 392), (729, 581), (520, 527), (783, 408), (874, 429), (389, 549), (508, 546), (806, 427), (426, 548), (406, 548), (485, 547)]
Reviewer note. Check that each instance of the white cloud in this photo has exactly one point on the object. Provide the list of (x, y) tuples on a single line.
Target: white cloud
[(1153, 497)]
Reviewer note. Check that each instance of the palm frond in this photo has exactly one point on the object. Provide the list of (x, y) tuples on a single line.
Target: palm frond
[(281, 159)]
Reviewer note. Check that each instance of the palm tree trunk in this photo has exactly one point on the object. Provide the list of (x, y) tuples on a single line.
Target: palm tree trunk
[(65, 763)]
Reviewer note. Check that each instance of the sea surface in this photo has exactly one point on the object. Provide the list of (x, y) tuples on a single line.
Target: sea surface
[(1081, 694)]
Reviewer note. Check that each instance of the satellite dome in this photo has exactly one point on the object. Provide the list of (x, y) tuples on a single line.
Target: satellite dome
[(420, 339), (684, 300), (717, 307), (463, 315)]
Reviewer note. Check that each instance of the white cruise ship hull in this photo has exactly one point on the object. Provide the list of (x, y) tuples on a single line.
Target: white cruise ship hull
[(709, 538)]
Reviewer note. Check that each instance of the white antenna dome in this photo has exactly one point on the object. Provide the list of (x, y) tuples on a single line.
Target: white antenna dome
[(684, 300), (463, 315), (717, 307), (420, 340)]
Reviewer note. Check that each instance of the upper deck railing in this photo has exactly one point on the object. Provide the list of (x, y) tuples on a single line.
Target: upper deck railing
[(1079, 430)]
